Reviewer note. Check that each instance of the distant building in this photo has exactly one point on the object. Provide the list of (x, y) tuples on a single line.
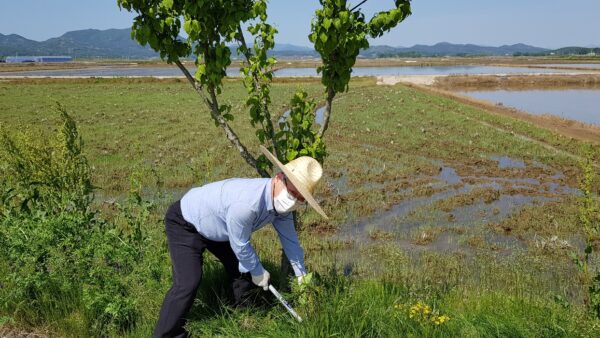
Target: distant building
[(17, 59)]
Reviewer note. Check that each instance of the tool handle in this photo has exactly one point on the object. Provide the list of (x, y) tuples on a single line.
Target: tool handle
[(285, 303)]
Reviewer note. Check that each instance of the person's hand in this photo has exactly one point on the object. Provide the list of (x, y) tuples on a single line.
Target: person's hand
[(262, 280)]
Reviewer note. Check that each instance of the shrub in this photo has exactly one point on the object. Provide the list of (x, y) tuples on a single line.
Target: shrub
[(62, 257)]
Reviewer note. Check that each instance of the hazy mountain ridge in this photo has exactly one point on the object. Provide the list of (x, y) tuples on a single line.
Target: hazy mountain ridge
[(88, 43), (117, 43)]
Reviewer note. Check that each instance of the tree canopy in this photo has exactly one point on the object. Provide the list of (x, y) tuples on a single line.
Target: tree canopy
[(338, 33)]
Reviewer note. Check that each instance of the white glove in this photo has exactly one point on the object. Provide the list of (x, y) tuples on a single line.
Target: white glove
[(262, 280)]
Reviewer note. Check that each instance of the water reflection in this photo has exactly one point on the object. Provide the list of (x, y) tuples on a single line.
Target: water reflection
[(575, 104), (572, 65), (443, 70), (285, 72)]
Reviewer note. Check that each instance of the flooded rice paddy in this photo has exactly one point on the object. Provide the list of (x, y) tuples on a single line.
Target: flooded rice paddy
[(574, 104), (455, 212), (443, 70), (572, 65), (285, 72)]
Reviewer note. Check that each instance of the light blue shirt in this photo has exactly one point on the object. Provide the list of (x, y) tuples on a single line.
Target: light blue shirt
[(232, 209)]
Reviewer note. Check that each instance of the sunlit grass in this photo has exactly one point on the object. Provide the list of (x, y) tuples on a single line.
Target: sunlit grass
[(386, 145)]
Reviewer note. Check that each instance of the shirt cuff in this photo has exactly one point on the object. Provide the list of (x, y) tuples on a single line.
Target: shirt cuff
[(258, 270), (298, 270)]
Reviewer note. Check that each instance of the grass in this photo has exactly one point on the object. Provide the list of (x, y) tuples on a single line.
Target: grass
[(386, 146)]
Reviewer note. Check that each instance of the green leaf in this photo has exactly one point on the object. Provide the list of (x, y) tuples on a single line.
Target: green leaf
[(337, 23), (200, 71), (327, 23), (291, 155), (344, 16), (323, 37), (168, 4)]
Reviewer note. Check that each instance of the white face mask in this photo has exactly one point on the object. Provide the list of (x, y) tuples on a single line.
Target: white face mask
[(284, 202)]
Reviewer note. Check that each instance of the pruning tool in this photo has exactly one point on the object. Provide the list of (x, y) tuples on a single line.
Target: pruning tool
[(285, 303)]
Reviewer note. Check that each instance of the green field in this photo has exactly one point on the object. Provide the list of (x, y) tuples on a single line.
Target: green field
[(421, 206)]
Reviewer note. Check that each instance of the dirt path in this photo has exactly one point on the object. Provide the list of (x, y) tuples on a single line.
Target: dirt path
[(426, 80), (429, 80)]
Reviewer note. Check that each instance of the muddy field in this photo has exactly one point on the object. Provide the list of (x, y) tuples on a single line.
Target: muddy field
[(301, 63), (446, 199), (448, 86)]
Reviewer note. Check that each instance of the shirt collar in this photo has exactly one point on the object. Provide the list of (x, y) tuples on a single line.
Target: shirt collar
[(268, 196)]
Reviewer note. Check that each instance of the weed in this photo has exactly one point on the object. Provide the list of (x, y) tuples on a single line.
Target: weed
[(589, 218)]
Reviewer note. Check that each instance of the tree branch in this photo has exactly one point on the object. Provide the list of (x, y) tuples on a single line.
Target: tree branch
[(355, 7), (213, 106), (197, 86), (327, 114), (270, 129), (231, 135)]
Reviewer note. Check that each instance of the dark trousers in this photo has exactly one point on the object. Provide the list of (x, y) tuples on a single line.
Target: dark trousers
[(186, 247)]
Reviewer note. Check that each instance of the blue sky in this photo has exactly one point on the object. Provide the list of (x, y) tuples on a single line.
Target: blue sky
[(543, 23)]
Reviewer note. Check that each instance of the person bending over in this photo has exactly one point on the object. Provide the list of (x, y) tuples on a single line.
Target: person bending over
[(220, 217)]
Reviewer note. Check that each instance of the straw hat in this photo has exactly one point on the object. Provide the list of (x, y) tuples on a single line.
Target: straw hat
[(304, 172)]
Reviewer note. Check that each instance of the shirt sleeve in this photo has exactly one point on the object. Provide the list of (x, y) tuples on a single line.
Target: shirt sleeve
[(284, 225), (239, 227)]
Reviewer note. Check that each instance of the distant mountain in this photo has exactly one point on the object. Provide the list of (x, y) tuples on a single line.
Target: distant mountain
[(288, 50), (13, 44), (576, 51), (445, 48), (117, 43), (89, 43)]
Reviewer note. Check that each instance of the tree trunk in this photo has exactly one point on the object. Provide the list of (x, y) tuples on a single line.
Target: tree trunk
[(231, 135), (213, 105), (330, 96)]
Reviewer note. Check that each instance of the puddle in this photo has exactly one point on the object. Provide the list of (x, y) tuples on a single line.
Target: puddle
[(415, 212), (493, 212), (319, 116), (507, 162), (574, 104), (339, 185), (387, 221), (449, 175)]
